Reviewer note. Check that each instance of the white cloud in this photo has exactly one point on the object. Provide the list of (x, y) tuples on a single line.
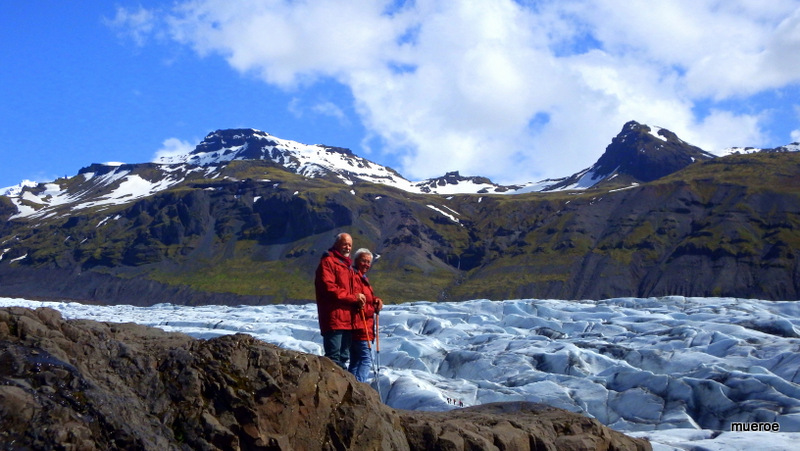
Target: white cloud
[(795, 134), (322, 108), (137, 24), (295, 107), (330, 109), (172, 147), (781, 55), (725, 49), (286, 42), (722, 129), (497, 87)]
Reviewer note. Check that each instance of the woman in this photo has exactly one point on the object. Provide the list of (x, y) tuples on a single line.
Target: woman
[(363, 320), (335, 284)]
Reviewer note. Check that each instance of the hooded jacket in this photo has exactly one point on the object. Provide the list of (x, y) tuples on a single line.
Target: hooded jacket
[(335, 291), (364, 326)]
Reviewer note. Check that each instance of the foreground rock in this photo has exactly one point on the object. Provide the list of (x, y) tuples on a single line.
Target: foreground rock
[(84, 385)]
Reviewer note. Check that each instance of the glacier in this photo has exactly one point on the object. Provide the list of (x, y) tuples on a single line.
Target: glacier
[(676, 370)]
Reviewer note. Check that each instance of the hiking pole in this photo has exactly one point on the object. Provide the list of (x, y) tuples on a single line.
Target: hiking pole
[(377, 338), (377, 363), (366, 331)]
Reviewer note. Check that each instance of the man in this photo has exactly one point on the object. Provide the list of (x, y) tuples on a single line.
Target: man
[(337, 300), (364, 326)]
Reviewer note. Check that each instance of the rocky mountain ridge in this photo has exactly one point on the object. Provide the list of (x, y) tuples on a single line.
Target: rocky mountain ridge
[(635, 156), (340, 164), (247, 219)]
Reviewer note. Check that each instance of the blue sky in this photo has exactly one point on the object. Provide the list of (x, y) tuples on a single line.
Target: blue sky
[(513, 90)]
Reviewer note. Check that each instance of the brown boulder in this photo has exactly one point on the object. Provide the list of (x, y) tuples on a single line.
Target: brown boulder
[(85, 385)]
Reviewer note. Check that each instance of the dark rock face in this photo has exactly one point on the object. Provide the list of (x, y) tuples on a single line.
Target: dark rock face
[(85, 385), (7, 209), (727, 227), (645, 157)]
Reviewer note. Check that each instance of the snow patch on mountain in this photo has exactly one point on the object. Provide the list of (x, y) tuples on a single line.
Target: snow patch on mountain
[(585, 180), (16, 190), (318, 160), (115, 187), (445, 214), (793, 147), (455, 183), (655, 132), (535, 187), (308, 160), (116, 183)]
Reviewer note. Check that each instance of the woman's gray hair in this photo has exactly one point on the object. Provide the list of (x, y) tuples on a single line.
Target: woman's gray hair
[(363, 250)]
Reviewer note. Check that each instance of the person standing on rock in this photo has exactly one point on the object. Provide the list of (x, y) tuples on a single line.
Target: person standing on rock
[(337, 299), (364, 321)]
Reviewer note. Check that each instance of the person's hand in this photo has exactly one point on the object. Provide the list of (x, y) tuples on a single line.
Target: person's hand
[(361, 300), (378, 304)]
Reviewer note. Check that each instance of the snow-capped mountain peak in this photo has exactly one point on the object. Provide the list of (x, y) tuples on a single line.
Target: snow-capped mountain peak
[(309, 160), (16, 190), (639, 153)]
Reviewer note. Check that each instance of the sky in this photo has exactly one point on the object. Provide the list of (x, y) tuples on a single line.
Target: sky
[(516, 91)]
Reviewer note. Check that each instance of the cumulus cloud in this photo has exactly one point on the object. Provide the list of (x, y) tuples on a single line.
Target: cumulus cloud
[(330, 109), (286, 43), (135, 24), (322, 108), (172, 147), (511, 89)]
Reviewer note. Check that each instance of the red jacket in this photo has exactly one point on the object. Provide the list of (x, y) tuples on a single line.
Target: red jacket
[(336, 296), (360, 332)]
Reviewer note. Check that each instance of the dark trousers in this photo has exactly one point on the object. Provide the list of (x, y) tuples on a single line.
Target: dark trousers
[(336, 344)]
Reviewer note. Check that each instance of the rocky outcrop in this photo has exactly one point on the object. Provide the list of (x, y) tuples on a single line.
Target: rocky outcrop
[(84, 385), (511, 426), (647, 155)]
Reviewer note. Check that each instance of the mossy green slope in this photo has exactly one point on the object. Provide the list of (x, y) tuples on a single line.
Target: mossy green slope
[(254, 232)]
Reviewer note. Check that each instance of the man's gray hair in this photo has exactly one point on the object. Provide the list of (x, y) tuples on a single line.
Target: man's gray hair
[(363, 250)]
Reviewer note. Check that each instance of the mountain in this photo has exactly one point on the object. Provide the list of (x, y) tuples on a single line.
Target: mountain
[(243, 218), (638, 154)]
